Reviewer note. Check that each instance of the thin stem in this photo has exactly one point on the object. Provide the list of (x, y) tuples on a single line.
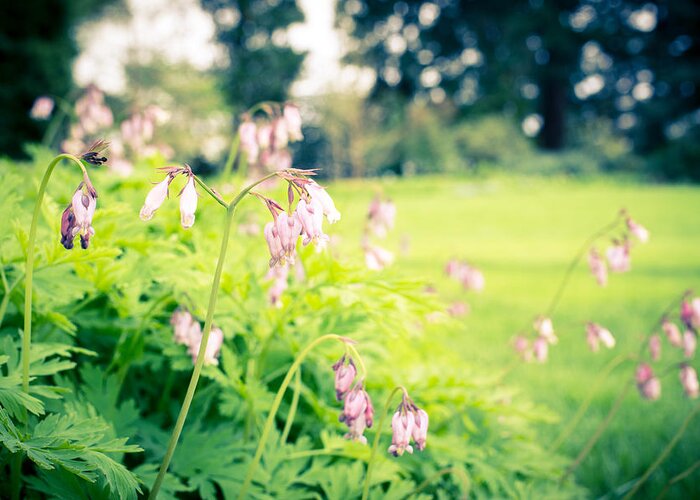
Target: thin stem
[(211, 192), (199, 363), (572, 265), (377, 436), (275, 406), (564, 435), (356, 356), (232, 154), (662, 456), (680, 477), (442, 472), (599, 430), (292, 408), (29, 268)]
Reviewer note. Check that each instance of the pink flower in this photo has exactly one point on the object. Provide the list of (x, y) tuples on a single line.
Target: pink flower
[(265, 132), (280, 134), (649, 386), (185, 328), (601, 334), (598, 267), (274, 243), (357, 413), (154, 199), (655, 347), (420, 428), (247, 132), (522, 346), (690, 342), (92, 111), (292, 117), (689, 380), (543, 326), (472, 279), (216, 340), (540, 348), (690, 313), (279, 275), (344, 377), (376, 257), (42, 108), (640, 232), (458, 309), (311, 217), (453, 268), (321, 195), (402, 424), (188, 203), (619, 257), (83, 207), (380, 217), (673, 333)]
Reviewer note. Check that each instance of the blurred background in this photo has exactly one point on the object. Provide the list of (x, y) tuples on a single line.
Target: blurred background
[(386, 87)]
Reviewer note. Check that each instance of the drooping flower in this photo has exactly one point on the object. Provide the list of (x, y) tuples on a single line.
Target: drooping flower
[(42, 108), (690, 342), (344, 377), (280, 276), (457, 309), (649, 386), (690, 313), (619, 257), (154, 199), (402, 424), (540, 348), (280, 135), (420, 428), (77, 217), (185, 328), (292, 117), (655, 347), (639, 231), (472, 279), (247, 132), (321, 195), (376, 257), (598, 267), (92, 111), (689, 380), (673, 333), (311, 217), (211, 353), (380, 216), (522, 346), (545, 328), (357, 413), (188, 203), (596, 333)]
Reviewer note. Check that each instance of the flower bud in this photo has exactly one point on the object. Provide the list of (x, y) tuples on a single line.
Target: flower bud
[(649, 386), (655, 347), (639, 232), (544, 327), (188, 204), (690, 342), (619, 257), (673, 333), (154, 199), (598, 267), (420, 428), (689, 380), (540, 348), (344, 377), (402, 424)]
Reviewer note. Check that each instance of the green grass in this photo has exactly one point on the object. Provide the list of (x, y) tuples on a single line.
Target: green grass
[(522, 232)]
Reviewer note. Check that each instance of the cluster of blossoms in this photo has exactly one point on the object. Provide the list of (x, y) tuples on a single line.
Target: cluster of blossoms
[(380, 220), (596, 335), (618, 254), (469, 276), (188, 196), (265, 142), (42, 108), (648, 384), (305, 221), (76, 219), (539, 348), (358, 412), (94, 117), (408, 423), (188, 331)]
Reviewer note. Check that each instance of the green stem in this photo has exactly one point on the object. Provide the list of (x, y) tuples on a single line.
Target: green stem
[(564, 435), (662, 456), (233, 152), (292, 408), (211, 192), (439, 474), (377, 436), (275, 406), (680, 477), (599, 430), (29, 268)]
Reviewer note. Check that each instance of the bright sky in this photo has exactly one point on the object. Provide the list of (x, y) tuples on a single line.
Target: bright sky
[(180, 31)]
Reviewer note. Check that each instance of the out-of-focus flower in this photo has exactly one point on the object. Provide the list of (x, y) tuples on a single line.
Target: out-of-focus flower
[(540, 348), (321, 195), (453, 268), (596, 333), (690, 342), (311, 217), (188, 203), (211, 353), (402, 424), (649, 386), (689, 380), (280, 276), (381, 216), (280, 135), (154, 199), (247, 132), (42, 108), (598, 267), (457, 309), (655, 347), (673, 333), (544, 327), (292, 117), (690, 313), (619, 257), (265, 132), (522, 346), (345, 373), (473, 279), (249, 228), (639, 231), (376, 257), (92, 111), (185, 328)]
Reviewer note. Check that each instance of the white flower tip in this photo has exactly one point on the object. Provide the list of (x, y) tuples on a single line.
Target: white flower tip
[(145, 214), (187, 221)]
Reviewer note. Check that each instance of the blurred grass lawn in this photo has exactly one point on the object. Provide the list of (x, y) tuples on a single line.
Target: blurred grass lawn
[(522, 232)]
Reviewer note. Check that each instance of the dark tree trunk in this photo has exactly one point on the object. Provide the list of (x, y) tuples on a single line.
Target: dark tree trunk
[(553, 107)]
